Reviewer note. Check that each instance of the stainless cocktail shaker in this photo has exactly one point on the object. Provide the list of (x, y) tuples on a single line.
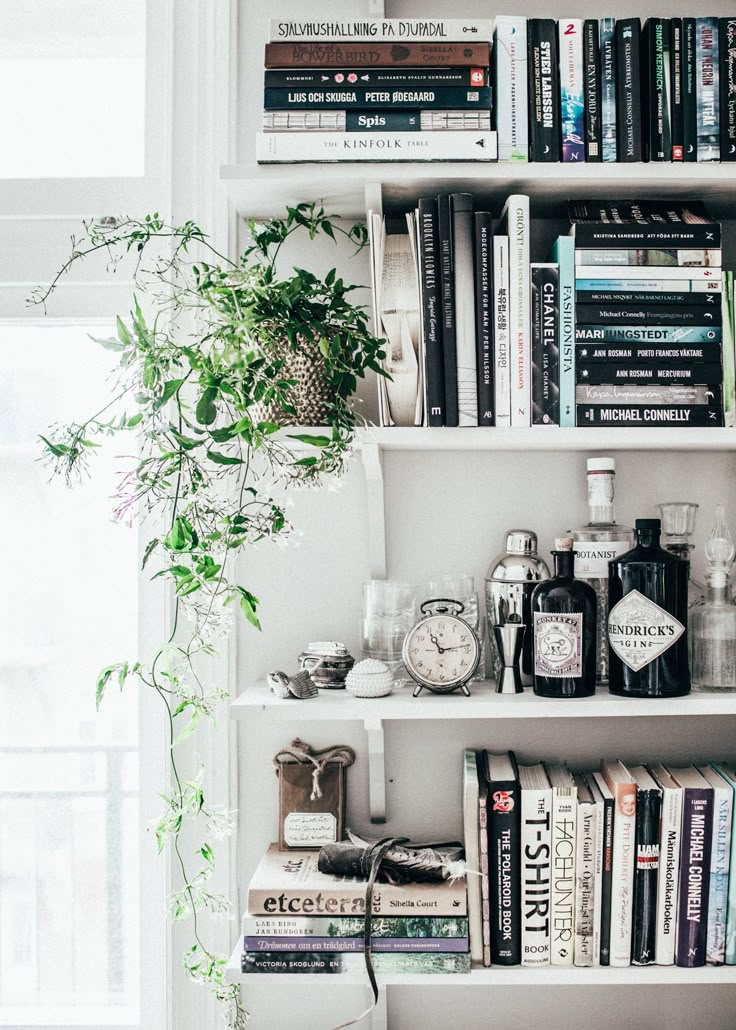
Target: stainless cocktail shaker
[(510, 581)]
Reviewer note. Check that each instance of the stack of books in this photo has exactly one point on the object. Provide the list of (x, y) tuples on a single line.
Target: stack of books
[(390, 90), (619, 866), (648, 318), (615, 90), (300, 920)]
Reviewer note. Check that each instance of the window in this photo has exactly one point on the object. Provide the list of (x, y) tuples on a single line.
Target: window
[(70, 908)]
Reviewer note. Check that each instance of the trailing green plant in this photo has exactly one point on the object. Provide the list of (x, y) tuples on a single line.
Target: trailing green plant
[(194, 376)]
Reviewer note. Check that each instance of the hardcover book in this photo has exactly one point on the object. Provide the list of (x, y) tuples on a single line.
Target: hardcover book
[(289, 883), (572, 106), (366, 53), (377, 120), (316, 927), (638, 224), (564, 838), (426, 78), (603, 870), (677, 124), (483, 271), (585, 872), (645, 334), (501, 337), (504, 854), (695, 852), (308, 147), (689, 90), (536, 847), (367, 98), (484, 881), (350, 945), (430, 291), (353, 962), (701, 416), (646, 873), (615, 373), (609, 148), (545, 284), (622, 787), (707, 89), (509, 74), (729, 774), (669, 865), (544, 90), (563, 253), (471, 837), (727, 52), (656, 46), (720, 864), (729, 349), (628, 89), (515, 224), (381, 30), (447, 284), (461, 210), (592, 82)]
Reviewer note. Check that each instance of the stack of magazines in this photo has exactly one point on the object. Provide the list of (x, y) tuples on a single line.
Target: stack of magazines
[(390, 90)]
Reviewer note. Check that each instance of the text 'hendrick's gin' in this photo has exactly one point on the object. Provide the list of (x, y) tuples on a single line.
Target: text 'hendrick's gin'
[(647, 618)]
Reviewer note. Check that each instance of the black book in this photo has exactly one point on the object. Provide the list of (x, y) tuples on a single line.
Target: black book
[(340, 98), (700, 416), (695, 355), (676, 84), (447, 283), (646, 373), (647, 314), (695, 849), (544, 90), (483, 252), (331, 78), (631, 299), (592, 90), (599, 786), (628, 89), (545, 281), (656, 135), (504, 857), (689, 91), (646, 870), (429, 285), (727, 51)]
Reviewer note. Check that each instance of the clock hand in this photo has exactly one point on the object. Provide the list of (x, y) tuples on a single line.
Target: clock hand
[(436, 643)]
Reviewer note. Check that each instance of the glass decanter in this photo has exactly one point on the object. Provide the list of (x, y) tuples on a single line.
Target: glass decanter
[(678, 524), (713, 623)]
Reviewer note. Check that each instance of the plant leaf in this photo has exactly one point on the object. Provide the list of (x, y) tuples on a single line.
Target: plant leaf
[(206, 411), (314, 441), (223, 459)]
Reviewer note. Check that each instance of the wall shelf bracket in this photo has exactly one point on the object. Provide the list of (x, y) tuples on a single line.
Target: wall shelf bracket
[(372, 455), (376, 770)]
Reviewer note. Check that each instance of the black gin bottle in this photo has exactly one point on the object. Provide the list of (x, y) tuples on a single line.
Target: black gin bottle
[(564, 618), (647, 618)]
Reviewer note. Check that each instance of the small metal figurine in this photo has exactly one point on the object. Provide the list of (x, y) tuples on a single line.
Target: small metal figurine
[(299, 686), (509, 641)]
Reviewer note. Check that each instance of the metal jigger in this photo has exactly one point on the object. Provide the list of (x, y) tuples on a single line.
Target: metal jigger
[(509, 641)]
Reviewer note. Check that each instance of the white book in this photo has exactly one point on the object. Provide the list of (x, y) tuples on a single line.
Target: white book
[(689, 272), (564, 840), (515, 224), (623, 789), (461, 211), (720, 861), (303, 147), (598, 867), (501, 330), (381, 30), (510, 87), (471, 834), (536, 849), (585, 863), (669, 865), (639, 285)]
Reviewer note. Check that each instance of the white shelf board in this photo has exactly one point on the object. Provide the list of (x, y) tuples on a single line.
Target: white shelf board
[(513, 976), (483, 703), (265, 189)]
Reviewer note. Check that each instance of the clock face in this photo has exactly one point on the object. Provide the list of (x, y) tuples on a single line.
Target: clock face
[(441, 652)]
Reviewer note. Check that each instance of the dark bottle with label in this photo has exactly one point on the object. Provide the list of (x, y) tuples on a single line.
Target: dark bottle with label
[(647, 618), (563, 625)]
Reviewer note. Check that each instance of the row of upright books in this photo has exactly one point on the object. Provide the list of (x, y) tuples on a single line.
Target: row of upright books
[(621, 866), (512, 88), (629, 322)]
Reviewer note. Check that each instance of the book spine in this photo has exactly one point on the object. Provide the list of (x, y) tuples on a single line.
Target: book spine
[(729, 350), (517, 224), (447, 283), (545, 349), (356, 944), (608, 89), (731, 912), (585, 862), (483, 317), (628, 90), (461, 208), (427, 78), (591, 235), (369, 54), (651, 315), (642, 335), (715, 948), (636, 393), (307, 147), (471, 839), (419, 900), (352, 962), (309, 927), (646, 875), (646, 300), (689, 90), (598, 880), (536, 846), (649, 256), (644, 282), (705, 356), (669, 864), (502, 366), (504, 852), (696, 842), (688, 274), (430, 290), (572, 108), (676, 92), (727, 53), (598, 372), (564, 254), (624, 857), (450, 97), (700, 416), (707, 89), (383, 121), (484, 879), (376, 121), (543, 90), (607, 882), (510, 87), (592, 82), (564, 836), (657, 138), (385, 30), (663, 84)]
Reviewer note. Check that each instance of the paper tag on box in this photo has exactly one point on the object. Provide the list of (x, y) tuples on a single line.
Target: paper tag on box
[(310, 829)]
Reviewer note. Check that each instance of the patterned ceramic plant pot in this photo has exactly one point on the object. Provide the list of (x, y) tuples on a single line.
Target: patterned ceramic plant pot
[(311, 397)]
